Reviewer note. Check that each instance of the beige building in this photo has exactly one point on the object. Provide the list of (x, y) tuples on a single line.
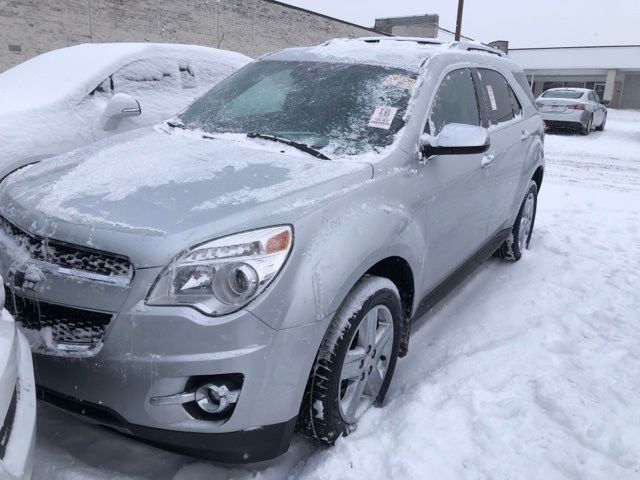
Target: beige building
[(253, 27)]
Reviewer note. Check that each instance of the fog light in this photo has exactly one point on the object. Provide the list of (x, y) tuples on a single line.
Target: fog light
[(214, 398)]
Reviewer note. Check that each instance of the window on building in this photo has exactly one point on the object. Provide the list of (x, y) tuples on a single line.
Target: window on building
[(550, 85), (455, 102)]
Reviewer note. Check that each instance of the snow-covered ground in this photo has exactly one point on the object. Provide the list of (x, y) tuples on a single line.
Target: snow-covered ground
[(529, 371)]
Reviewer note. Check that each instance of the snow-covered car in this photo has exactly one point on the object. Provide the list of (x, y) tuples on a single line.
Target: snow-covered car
[(69, 97), (17, 401), (253, 264), (572, 108)]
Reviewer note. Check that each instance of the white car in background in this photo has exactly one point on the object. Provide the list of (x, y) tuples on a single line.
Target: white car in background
[(69, 97), (578, 109), (17, 400)]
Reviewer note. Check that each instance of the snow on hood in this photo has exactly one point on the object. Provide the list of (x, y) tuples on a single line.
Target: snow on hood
[(159, 182), (70, 73)]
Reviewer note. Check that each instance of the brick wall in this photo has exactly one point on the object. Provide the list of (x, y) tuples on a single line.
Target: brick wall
[(252, 27)]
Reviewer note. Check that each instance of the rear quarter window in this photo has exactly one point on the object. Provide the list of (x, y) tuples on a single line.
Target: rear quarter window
[(522, 81)]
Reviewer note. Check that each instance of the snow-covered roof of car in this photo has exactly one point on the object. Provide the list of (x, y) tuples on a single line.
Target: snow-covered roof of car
[(408, 53), (75, 71)]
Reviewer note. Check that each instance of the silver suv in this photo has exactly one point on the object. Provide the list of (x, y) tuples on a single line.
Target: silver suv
[(252, 266)]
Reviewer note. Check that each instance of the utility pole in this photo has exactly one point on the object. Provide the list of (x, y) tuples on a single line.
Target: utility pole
[(459, 20)]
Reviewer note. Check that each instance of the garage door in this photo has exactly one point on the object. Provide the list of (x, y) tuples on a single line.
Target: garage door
[(631, 91)]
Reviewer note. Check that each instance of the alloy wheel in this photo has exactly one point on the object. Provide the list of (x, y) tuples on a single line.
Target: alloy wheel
[(366, 363)]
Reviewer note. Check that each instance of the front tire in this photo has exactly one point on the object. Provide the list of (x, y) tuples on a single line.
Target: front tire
[(355, 361), (604, 122), (520, 236)]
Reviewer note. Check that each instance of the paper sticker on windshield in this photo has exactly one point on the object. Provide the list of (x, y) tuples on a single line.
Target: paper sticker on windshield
[(492, 98), (383, 117), (400, 81)]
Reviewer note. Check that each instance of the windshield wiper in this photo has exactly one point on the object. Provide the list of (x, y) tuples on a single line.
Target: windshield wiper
[(177, 125), (300, 146)]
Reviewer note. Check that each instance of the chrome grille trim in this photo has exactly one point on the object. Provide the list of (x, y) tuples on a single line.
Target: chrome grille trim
[(71, 260)]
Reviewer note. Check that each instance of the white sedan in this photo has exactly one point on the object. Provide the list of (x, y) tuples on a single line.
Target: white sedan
[(578, 109), (69, 97), (17, 400)]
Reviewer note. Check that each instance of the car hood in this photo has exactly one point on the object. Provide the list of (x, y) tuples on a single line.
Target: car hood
[(172, 186)]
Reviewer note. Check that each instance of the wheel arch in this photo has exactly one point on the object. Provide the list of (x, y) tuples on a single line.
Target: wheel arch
[(538, 175)]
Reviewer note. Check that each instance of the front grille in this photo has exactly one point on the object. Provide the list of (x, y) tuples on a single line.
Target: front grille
[(5, 431), (70, 327), (71, 259)]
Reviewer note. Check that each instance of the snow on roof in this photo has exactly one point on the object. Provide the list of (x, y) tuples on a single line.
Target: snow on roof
[(75, 71), (409, 55)]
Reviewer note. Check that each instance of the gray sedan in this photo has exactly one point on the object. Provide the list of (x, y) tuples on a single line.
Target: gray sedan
[(574, 108)]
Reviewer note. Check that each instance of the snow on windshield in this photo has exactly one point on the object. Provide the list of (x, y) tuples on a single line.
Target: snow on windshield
[(338, 108)]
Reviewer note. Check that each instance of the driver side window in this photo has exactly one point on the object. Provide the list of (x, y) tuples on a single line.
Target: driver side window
[(455, 102)]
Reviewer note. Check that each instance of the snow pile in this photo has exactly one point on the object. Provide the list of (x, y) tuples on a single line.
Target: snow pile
[(530, 370)]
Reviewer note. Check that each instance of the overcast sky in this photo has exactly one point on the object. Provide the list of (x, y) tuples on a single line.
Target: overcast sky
[(531, 23)]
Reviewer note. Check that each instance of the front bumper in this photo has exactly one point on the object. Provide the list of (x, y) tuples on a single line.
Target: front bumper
[(17, 462), (158, 352), (234, 447)]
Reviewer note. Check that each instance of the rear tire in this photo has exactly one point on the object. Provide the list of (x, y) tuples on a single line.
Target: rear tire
[(354, 365), (604, 122), (586, 130), (520, 235)]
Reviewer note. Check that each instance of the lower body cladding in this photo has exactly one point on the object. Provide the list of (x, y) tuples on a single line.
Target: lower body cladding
[(228, 389), (574, 120)]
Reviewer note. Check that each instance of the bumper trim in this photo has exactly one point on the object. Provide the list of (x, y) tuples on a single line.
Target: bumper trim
[(246, 446)]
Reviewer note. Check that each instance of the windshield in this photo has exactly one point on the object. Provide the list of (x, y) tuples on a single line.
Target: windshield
[(562, 94), (339, 109)]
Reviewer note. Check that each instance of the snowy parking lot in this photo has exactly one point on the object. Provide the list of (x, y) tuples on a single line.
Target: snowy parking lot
[(530, 370)]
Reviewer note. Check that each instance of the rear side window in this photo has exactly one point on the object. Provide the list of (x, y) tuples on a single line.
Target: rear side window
[(498, 96), (455, 102), (522, 81), (152, 74)]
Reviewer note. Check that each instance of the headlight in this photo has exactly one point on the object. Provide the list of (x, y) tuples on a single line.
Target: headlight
[(222, 276)]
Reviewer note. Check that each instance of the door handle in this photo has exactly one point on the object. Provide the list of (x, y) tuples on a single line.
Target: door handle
[(525, 135), (487, 160)]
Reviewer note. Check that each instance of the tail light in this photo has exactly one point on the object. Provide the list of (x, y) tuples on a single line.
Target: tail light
[(577, 106)]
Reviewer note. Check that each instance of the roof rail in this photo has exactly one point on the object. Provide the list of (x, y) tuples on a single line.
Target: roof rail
[(418, 40), (477, 47)]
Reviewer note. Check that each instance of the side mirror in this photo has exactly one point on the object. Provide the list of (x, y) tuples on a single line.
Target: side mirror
[(455, 139), (604, 102), (120, 106)]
